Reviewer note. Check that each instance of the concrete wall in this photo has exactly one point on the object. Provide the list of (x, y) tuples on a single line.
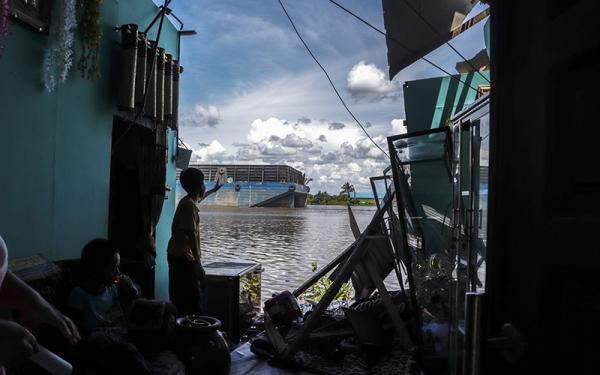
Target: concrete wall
[(55, 148)]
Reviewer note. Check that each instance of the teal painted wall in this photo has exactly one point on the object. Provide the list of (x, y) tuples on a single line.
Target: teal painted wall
[(55, 147), (430, 103), (163, 228)]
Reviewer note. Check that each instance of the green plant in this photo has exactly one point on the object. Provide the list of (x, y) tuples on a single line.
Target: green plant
[(250, 286), (90, 32), (318, 289)]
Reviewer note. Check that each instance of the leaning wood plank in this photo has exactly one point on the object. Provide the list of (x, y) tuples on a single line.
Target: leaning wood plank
[(356, 253), (314, 317), (390, 307)]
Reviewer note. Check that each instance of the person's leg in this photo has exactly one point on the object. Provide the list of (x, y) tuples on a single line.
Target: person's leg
[(172, 273), (183, 286), (201, 276)]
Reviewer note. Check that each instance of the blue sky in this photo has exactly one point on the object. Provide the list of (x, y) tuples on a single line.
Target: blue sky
[(250, 93)]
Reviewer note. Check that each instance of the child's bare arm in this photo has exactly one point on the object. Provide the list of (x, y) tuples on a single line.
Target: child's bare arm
[(211, 191), (16, 294)]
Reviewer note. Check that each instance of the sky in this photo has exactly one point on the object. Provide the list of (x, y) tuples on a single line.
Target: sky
[(250, 92)]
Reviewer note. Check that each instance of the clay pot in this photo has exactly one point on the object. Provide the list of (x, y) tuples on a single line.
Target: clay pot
[(201, 345)]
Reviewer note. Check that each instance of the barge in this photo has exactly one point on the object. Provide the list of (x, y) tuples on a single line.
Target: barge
[(253, 185)]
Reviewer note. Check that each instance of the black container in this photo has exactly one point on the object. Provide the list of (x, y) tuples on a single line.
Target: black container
[(160, 85), (168, 101), (232, 294), (127, 79), (177, 69), (201, 345), (150, 107), (140, 69)]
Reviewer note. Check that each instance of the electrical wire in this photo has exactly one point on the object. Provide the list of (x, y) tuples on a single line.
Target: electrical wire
[(447, 43), (330, 81), (402, 45)]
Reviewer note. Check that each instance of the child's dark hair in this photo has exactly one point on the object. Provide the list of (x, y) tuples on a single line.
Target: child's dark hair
[(97, 253), (190, 179)]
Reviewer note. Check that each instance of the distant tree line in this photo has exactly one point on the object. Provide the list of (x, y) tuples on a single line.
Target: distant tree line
[(343, 198), (322, 197)]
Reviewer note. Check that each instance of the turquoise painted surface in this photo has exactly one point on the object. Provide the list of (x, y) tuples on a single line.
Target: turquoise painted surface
[(55, 147), (163, 228), (430, 103)]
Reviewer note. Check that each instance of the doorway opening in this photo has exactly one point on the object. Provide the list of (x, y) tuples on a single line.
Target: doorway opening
[(137, 190)]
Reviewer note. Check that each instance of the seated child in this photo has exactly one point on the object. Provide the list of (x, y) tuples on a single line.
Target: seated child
[(98, 306)]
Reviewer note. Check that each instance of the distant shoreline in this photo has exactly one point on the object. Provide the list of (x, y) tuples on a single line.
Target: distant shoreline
[(361, 203)]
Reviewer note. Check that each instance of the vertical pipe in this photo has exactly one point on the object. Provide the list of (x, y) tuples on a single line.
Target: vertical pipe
[(150, 107), (128, 67), (168, 111), (140, 70), (177, 70), (160, 85)]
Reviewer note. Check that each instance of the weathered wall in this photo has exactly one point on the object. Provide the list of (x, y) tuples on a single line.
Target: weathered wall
[(55, 147)]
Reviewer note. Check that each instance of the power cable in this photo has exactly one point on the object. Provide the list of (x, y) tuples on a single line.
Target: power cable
[(402, 45), (330, 81)]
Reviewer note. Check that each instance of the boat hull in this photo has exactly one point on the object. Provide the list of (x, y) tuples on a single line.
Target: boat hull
[(255, 194)]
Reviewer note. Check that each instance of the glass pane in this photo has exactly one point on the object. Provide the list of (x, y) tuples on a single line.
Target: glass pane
[(422, 148), (422, 179), (484, 162)]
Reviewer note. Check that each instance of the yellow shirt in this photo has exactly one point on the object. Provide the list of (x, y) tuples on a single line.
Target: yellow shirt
[(186, 220)]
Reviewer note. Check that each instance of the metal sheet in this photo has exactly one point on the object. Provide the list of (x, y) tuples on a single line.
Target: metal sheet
[(420, 26)]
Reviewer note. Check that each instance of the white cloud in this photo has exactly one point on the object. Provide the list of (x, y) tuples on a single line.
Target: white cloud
[(209, 152), (295, 141), (330, 155), (366, 81), (398, 126), (201, 116)]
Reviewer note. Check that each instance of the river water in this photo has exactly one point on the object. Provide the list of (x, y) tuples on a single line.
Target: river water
[(284, 241)]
